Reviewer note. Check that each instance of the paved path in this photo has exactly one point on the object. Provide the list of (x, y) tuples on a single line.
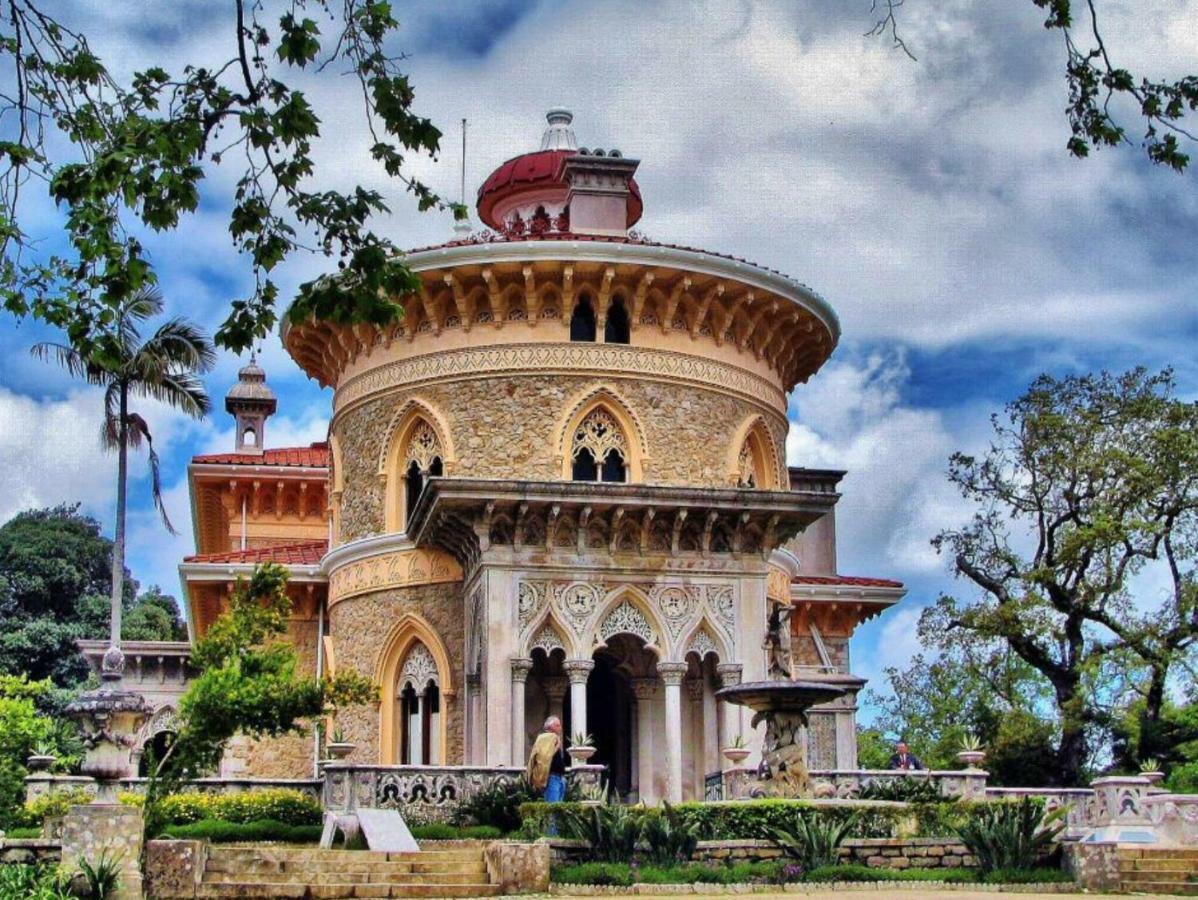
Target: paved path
[(906, 893)]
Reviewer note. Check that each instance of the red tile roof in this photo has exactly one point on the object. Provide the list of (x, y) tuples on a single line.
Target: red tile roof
[(302, 553), (314, 455), (847, 581)]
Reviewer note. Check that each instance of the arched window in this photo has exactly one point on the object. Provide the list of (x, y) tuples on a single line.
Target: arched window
[(422, 460), (419, 709), (754, 462), (582, 323), (600, 449), (617, 328)]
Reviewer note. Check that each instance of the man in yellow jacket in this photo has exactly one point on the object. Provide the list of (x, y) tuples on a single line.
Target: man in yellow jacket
[(547, 762)]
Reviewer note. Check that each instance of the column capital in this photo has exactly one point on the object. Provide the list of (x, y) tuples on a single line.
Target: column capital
[(521, 666), (644, 688), (672, 673), (730, 673), (578, 670)]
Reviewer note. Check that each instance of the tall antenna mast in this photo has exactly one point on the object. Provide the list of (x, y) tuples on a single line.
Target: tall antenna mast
[(462, 226)]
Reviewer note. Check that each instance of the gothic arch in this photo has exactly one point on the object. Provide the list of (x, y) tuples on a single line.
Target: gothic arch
[(596, 397), (390, 466), (752, 445), (410, 630), (548, 618), (642, 621), (692, 641)]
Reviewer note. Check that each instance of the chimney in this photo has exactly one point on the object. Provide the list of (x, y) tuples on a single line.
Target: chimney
[(599, 191)]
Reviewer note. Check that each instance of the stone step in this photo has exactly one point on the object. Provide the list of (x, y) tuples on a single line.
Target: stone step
[(361, 878), (1181, 876), (312, 854), (425, 866), (1158, 853), (1148, 866), (1160, 887), (283, 891)]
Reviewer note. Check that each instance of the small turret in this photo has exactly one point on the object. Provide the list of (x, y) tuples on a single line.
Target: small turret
[(251, 402)]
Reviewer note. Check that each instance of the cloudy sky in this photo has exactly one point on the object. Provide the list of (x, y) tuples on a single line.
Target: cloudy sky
[(931, 202)]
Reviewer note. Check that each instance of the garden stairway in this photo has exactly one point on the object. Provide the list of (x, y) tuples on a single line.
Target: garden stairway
[(249, 872), (1159, 871)]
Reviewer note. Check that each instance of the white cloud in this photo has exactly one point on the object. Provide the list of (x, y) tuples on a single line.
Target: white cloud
[(895, 496)]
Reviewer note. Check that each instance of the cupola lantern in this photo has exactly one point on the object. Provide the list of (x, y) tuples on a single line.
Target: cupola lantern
[(251, 402)]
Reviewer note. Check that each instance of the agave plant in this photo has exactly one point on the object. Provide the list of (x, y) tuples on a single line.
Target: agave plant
[(668, 837), (812, 842), (582, 739), (1011, 835), (610, 829), (1150, 766), (971, 743), (104, 876)]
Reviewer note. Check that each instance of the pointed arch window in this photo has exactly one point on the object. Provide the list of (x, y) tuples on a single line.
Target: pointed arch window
[(617, 329), (419, 699), (582, 322), (600, 449), (753, 466), (422, 459)]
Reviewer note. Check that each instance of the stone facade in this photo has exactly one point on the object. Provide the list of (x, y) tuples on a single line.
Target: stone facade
[(510, 427), (359, 628), (89, 832)]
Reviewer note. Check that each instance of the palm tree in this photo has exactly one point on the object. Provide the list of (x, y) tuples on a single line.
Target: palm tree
[(165, 367)]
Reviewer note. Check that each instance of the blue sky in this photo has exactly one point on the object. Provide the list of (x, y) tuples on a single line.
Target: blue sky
[(931, 202)]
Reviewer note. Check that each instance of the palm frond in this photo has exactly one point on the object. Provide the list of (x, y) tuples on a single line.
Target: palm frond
[(180, 344), (110, 437), (139, 430), (180, 390), (70, 359)]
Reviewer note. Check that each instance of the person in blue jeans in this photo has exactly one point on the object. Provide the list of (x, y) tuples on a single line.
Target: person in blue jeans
[(547, 763)]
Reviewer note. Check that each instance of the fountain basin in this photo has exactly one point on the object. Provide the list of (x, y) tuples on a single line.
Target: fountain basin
[(782, 696)]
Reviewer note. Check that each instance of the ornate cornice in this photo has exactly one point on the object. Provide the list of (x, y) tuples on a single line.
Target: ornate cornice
[(385, 562), (605, 360)]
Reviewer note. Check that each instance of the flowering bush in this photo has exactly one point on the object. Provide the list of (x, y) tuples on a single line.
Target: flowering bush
[(285, 805)]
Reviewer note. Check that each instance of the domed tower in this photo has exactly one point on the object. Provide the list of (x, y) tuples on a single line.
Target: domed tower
[(559, 481), (251, 402)]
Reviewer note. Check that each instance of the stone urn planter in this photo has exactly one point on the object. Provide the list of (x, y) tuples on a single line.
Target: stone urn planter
[(1154, 778), (736, 755), (40, 762), (971, 759), (581, 754), (339, 749)]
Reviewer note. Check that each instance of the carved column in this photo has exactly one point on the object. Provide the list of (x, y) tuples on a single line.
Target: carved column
[(692, 736), (521, 666), (578, 671), (416, 730), (672, 674), (645, 691), (730, 674), (711, 730)]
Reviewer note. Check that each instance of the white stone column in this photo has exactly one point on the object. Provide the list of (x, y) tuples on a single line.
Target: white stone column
[(555, 688), (672, 674), (578, 671), (521, 666), (416, 731), (692, 738), (503, 629), (645, 690), (729, 712), (711, 730)]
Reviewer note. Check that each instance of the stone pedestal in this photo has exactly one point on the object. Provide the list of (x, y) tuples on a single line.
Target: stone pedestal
[(89, 832)]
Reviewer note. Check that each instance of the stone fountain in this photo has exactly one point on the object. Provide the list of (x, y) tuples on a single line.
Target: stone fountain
[(782, 704)]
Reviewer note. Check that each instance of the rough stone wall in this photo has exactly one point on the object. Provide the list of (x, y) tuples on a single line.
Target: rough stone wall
[(30, 851), (507, 427), (289, 756), (89, 832), (360, 627)]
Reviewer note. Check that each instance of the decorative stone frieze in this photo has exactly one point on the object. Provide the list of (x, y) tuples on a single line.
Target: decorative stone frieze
[(391, 570)]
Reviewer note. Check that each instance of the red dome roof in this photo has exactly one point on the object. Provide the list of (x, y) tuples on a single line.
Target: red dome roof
[(537, 171)]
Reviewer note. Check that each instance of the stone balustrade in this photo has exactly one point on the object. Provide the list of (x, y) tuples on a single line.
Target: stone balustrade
[(38, 784), (422, 793), (743, 783)]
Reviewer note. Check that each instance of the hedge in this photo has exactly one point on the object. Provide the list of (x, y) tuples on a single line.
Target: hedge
[(439, 831), (285, 805), (223, 832), (753, 819)]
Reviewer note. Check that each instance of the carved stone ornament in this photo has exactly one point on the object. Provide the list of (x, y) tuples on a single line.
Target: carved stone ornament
[(578, 601), (419, 669), (530, 598), (676, 603), (747, 475), (423, 446), (627, 619), (600, 434), (702, 644), (548, 640)]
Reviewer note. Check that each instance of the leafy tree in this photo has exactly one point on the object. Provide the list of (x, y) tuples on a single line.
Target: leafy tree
[(874, 748), (155, 617), (164, 367), (23, 729), (249, 683), (1099, 89), (1087, 481), (139, 150), (55, 568)]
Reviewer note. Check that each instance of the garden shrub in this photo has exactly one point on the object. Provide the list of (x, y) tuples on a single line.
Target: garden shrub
[(1039, 875), (611, 829), (594, 873), (624, 873), (860, 873), (23, 833), (53, 805), (904, 790), (811, 841), (222, 831), (440, 831), (286, 805), (20, 881), (497, 805), (667, 836)]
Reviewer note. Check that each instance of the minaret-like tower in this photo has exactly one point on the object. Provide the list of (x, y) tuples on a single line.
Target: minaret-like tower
[(251, 402)]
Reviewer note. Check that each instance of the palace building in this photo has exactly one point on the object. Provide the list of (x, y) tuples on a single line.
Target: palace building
[(557, 485)]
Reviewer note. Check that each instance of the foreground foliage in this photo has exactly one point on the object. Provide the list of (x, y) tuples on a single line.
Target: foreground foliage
[(1004, 836), (19, 881), (285, 805), (497, 805), (811, 842), (222, 832)]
